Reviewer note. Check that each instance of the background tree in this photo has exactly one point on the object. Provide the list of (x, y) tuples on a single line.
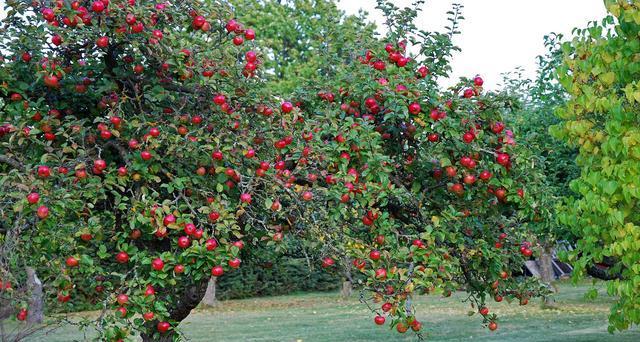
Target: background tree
[(599, 72), (302, 39), (425, 195), (552, 162)]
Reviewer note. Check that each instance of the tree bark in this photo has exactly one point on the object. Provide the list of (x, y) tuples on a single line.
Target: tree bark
[(36, 302), (546, 272), (546, 266), (347, 289), (188, 300), (209, 298), (347, 284), (11, 162), (162, 338)]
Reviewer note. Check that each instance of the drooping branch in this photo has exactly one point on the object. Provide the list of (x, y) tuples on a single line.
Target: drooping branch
[(122, 152), (11, 162), (190, 298)]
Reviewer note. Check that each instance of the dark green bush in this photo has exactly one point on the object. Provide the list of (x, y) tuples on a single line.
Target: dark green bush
[(270, 279)]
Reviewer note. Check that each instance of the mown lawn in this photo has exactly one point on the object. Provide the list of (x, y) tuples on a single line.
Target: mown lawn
[(327, 317)]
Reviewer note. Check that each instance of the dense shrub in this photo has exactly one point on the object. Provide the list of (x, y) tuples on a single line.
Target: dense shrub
[(279, 278)]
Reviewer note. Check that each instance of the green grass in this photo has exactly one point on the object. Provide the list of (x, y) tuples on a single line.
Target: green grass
[(327, 317)]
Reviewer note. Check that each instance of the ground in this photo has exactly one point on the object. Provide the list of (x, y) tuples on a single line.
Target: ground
[(326, 317)]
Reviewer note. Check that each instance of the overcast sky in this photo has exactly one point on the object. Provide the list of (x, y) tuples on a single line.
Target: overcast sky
[(497, 35)]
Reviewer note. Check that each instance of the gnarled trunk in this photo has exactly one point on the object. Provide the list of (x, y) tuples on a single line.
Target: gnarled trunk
[(189, 299), (36, 302)]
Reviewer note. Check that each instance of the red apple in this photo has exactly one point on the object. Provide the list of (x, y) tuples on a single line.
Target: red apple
[(381, 274), (234, 263), (217, 155), (149, 291), (189, 228), (168, 220), (163, 327), (250, 34), (502, 159), (327, 262), (33, 198), (478, 81), (307, 195), (122, 311), (211, 244), (157, 264), (245, 198), (184, 242), (414, 108), (122, 257), (22, 315), (98, 6), (44, 171), (102, 42), (217, 271), (42, 212), (286, 107), (145, 155), (154, 132), (72, 262), (122, 299)]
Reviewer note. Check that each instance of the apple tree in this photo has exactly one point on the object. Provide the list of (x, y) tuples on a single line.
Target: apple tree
[(141, 152), (128, 128), (424, 187), (302, 41)]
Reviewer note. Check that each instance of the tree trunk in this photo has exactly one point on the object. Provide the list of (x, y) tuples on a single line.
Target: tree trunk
[(187, 301), (546, 272), (347, 288), (36, 303), (546, 265), (209, 298), (168, 337)]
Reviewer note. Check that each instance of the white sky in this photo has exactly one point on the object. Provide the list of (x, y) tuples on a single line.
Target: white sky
[(497, 35)]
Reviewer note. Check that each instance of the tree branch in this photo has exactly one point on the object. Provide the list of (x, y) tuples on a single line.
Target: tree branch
[(11, 162), (121, 150)]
